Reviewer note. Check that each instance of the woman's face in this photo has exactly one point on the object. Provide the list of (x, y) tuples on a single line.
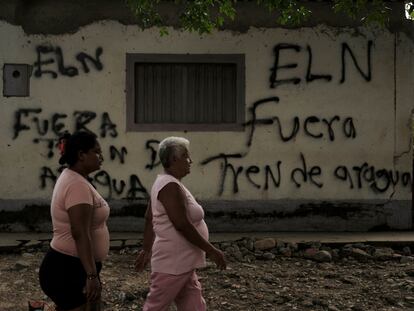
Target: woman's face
[(93, 158), (183, 163)]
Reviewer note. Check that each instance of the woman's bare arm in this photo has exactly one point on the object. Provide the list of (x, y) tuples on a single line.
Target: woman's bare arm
[(80, 217), (144, 255)]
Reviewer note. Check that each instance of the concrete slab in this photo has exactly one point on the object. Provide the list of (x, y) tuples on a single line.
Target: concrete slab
[(324, 237), (119, 239)]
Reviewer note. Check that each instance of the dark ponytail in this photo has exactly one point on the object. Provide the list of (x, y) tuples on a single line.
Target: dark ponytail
[(70, 145)]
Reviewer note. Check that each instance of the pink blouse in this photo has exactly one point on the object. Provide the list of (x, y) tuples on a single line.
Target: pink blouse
[(171, 252), (72, 189)]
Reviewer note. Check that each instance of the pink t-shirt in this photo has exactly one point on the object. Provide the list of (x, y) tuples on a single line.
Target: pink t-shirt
[(171, 252), (71, 189)]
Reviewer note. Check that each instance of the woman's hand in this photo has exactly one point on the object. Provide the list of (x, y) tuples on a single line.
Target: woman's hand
[(93, 289), (142, 260), (217, 256)]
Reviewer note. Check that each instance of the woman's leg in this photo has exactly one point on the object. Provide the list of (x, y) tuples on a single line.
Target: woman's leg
[(164, 289), (63, 279), (190, 297), (93, 306)]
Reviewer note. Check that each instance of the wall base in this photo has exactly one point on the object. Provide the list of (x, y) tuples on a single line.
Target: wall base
[(237, 216)]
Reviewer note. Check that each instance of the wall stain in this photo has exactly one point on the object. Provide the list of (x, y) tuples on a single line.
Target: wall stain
[(325, 209)]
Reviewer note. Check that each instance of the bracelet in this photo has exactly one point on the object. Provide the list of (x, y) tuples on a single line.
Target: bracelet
[(91, 276)]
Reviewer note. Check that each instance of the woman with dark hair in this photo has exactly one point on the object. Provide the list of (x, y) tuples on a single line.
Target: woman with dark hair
[(69, 273)]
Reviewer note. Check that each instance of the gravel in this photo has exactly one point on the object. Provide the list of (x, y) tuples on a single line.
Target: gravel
[(275, 276)]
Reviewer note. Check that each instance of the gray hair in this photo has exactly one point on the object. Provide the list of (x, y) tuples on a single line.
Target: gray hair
[(172, 146)]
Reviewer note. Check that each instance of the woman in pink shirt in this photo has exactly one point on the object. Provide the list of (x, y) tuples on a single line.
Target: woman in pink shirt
[(69, 273), (175, 235)]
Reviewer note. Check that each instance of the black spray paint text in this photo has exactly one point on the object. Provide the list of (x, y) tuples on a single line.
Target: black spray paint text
[(346, 54), (270, 176), (313, 126), (48, 55), (131, 189), (27, 119), (263, 177)]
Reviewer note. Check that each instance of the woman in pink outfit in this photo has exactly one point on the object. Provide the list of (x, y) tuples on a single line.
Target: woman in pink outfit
[(175, 235), (69, 273)]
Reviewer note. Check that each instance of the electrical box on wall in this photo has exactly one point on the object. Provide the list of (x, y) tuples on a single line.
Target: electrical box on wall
[(16, 80)]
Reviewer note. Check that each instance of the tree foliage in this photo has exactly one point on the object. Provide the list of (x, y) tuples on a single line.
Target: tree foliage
[(409, 10), (204, 16)]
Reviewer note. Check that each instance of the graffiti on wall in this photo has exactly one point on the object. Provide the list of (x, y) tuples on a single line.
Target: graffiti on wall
[(270, 176), (47, 129), (233, 169), (347, 55), (50, 61), (312, 126), (315, 128)]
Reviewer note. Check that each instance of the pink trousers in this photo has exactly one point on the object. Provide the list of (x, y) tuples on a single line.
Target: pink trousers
[(183, 289)]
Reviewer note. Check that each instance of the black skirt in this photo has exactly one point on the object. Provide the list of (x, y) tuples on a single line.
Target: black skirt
[(63, 279)]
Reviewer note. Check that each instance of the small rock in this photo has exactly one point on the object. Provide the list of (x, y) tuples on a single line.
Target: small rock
[(407, 251), (280, 244), (360, 254), (323, 256), (264, 244), (268, 256), (225, 245), (335, 254), (383, 254), (229, 249), (238, 255), (249, 258), (345, 251), (249, 243), (317, 255), (20, 265), (325, 248), (285, 251), (293, 246), (310, 252)]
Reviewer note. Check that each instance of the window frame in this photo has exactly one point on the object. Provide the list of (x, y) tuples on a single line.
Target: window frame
[(133, 58)]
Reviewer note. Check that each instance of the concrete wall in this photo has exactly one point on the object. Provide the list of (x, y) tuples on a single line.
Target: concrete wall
[(339, 148)]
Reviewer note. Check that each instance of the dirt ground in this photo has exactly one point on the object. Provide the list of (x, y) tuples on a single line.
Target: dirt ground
[(284, 283)]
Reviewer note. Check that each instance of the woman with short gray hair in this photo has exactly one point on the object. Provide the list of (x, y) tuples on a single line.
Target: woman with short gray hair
[(172, 146), (175, 235)]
